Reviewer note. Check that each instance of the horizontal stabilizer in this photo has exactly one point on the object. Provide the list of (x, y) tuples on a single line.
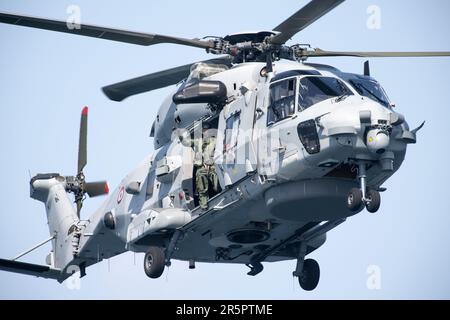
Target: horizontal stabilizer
[(32, 269)]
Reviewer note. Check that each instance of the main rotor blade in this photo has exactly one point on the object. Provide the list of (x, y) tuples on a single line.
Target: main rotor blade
[(139, 38), (82, 145), (374, 54), (97, 188), (153, 81), (303, 18)]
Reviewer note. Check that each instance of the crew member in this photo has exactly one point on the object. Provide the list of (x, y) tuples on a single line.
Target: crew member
[(206, 180)]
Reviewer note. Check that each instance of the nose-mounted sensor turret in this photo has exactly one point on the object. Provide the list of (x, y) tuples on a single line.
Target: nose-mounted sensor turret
[(378, 139)]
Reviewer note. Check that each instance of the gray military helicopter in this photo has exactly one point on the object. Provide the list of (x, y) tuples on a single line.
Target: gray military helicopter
[(298, 148)]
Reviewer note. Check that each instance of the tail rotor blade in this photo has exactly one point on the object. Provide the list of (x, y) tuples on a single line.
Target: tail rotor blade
[(97, 188), (82, 146)]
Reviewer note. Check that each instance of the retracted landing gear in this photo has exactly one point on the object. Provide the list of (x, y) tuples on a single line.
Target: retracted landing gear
[(357, 198), (154, 262)]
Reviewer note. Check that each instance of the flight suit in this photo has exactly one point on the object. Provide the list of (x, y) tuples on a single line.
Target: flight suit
[(206, 179)]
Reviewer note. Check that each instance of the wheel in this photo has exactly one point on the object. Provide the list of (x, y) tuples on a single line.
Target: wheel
[(374, 201), (309, 279), (354, 199), (154, 262)]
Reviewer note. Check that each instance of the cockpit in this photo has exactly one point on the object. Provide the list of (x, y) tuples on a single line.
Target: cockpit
[(370, 89), (313, 90), (282, 100), (299, 93)]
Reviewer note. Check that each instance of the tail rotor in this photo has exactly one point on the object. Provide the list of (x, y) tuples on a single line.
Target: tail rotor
[(77, 184)]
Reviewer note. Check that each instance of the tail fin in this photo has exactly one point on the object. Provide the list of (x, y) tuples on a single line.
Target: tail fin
[(63, 219), (61, 216), (52, 189)]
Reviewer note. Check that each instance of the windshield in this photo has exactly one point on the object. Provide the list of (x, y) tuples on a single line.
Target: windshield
[(313, 90), (370, 89)]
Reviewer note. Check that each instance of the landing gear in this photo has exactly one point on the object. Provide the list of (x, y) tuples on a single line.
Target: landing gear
[(363, 196), (373, 201), (307, 271), (309, 278), (154, 262), (355, 199)]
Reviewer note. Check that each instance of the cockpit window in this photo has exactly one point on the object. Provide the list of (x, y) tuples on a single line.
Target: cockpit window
[(282, 100), (371, 89), (313, 90)]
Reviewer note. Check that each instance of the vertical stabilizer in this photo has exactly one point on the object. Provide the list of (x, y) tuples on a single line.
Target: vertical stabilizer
[(61, 215)]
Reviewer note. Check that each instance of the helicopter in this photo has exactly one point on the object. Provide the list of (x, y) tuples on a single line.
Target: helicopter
[(300, 147)]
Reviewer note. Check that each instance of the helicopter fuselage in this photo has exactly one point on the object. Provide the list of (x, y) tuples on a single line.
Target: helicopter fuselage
[(279, 170), (297, 148)]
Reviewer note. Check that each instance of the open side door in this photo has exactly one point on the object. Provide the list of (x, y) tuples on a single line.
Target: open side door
[(235, 152)]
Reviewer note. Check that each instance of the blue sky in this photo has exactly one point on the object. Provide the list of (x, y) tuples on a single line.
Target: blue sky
[(46, 78)]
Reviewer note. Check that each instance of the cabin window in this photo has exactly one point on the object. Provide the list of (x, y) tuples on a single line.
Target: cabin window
[(313, 90), (231, 131), (281, 101)]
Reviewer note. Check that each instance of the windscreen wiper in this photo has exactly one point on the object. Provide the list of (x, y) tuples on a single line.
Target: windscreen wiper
[(342, 97), (346, 93)]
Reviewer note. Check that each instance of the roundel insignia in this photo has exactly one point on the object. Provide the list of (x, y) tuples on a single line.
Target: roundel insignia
[(121, 194)]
